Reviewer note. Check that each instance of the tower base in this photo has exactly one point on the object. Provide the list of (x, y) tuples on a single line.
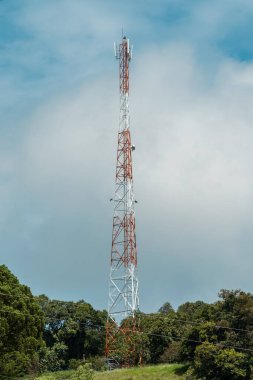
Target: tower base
[(123, 344)]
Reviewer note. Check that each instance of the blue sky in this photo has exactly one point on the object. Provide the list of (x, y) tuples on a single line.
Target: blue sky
[(191, 110)]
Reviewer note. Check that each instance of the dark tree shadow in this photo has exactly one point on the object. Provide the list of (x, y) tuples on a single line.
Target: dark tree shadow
[(182, 370)]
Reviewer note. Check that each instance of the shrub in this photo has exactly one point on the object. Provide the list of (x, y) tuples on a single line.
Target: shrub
[(75, 363), (83, 372), (214, 362), (98, 363)]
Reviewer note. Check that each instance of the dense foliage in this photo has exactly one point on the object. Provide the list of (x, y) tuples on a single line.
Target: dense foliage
[(215, 340), (21, 326), (74, 331)]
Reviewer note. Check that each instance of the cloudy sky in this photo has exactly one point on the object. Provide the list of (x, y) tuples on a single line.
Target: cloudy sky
[(191, 110)]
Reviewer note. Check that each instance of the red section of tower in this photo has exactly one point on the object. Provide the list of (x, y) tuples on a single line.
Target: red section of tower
[(124, 222)]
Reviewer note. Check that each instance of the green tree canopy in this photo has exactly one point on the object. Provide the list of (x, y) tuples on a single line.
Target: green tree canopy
[(76, 325), (166, 308), (213, 362), (21, 326)]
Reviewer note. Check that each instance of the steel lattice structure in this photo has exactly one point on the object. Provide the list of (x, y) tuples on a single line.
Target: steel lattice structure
[(123, 287)]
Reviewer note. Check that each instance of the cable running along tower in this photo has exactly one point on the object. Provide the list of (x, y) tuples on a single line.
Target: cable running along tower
[(123, 286)]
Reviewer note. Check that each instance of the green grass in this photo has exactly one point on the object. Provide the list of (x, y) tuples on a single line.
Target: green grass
[(158, 372)]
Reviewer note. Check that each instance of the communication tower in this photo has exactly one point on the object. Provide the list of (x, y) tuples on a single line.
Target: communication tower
[(122, 327)]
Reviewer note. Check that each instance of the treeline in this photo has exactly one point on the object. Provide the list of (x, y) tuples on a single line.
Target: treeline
[(216, 340), (39, 335), (73, 332)]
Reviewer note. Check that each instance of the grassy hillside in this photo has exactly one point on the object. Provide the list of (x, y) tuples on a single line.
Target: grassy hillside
[(159, 372)]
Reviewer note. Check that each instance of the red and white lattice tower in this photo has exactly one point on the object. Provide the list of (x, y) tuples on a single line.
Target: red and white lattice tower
[(123, 288)]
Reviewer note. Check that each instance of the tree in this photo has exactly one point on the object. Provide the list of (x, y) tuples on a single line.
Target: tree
[(21, 326), (213, 362), (196, 334), (236, 312), (166, 308), (172, 353), (160, 330), (76, 325), (214, 332), (53, 358)]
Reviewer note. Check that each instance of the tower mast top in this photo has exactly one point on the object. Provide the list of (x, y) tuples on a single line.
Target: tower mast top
[(123, 52)]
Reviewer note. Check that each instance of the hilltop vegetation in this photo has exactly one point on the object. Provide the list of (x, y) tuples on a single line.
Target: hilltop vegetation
[(73, 331), (21, 326), (39, 335)]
